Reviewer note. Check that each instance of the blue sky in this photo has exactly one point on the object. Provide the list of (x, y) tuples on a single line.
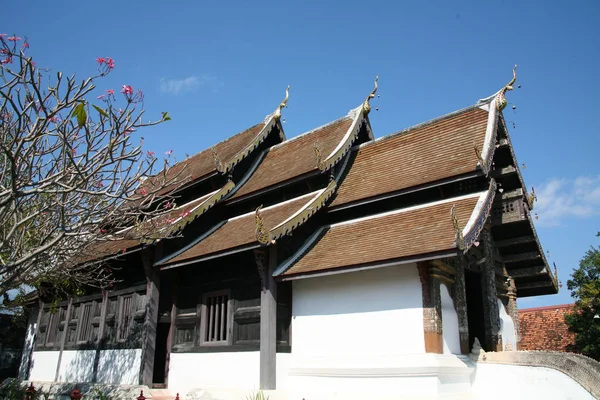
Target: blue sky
[(220, 67)]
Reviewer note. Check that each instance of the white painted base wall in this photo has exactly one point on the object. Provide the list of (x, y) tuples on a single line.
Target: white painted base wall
[(499, 382), (451, 337), (507, 326), (233, 370), (114, 366)]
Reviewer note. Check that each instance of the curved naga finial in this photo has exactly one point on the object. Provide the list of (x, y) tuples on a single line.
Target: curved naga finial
[(218, 163), (460, 240), (283, 104), (367, 105), (501, 96), (262, 236)]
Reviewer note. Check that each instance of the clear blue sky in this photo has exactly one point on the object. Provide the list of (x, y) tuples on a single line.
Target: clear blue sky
[(219, 67)]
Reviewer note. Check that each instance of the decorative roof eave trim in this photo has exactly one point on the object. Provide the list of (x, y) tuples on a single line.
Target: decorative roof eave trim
[(516, 165), (197, 211), (541, 251), (375, 265), (270, 123), (311, 207), (479, 216), (489, 143)]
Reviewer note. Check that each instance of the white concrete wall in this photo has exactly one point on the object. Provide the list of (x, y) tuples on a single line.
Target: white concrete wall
[(282, 369), (114, 366), (373, 312), (233, 370), (507, 327), (498, 381), (449, 323), (44, 365)]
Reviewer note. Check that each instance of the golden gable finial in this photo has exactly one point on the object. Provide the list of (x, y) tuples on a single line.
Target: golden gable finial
[(366, 103), (283, 104), (320, 164), (501, 96), (218, 163), (261, 232), (460, 240)]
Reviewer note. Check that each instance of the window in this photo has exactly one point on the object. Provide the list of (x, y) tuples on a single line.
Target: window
[(85, 322), (125, 317), (214, 323)]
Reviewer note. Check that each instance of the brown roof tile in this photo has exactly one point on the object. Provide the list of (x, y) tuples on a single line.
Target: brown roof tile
[(395, 235), (240, 231), (203, 163), (427, 153), (295, 156), (544, 328)]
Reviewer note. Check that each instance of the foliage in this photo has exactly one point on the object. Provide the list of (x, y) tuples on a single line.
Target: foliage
[(71, 179), (584, 320), (259, 395)]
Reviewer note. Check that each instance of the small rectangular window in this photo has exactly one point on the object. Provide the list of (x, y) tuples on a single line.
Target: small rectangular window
[(125, 317), (215, 318), (85, 323)]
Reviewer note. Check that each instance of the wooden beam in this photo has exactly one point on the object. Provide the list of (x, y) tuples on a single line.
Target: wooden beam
[(529, 271), (532, 255), (510, 194), (514, 241), (535, 285), (268, 320), (510, 170)]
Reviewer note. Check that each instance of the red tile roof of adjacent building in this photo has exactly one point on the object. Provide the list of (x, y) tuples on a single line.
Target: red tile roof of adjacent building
[(544, 328)]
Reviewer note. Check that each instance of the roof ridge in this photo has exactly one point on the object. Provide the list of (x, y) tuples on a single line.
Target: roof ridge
[(347, 116), (541, 308)]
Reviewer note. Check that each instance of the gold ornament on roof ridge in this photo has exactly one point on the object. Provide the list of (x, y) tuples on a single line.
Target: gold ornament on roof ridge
[(218, 163), (501, 96), (460, 240), (283, 104), (320, 164), (261, 232), (366, 104), (531, 198)]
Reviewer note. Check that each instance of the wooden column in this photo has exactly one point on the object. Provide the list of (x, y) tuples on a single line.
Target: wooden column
[(151, 317), (459, 295), (266, 261), (512, 309), (493, 340), (432, 310)]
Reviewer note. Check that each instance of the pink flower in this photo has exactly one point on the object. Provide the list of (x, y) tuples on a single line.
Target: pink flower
[(110, 63), (7, 60), (143, 191), (169, 152), (127, 90), (128, 132), (150, 153), (100, 60), (3, 35), (53, 118), (25, 45), (101, 97), (4, 51), (13, 39), (110, 92)]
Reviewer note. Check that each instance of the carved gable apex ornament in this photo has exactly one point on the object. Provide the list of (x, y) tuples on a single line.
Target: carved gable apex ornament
[(366, 104)]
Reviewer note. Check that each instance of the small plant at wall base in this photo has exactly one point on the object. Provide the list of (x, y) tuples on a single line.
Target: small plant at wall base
[(260, 395), (584, 320), (71, 177)]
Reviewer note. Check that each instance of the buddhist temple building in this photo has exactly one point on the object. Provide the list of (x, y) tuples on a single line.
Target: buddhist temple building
[(302, 264)]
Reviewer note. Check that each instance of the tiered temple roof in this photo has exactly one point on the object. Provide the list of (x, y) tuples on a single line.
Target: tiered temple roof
[(323, 196)]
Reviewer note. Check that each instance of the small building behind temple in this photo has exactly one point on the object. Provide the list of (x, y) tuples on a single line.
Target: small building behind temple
[(303, 264), (544, 328)]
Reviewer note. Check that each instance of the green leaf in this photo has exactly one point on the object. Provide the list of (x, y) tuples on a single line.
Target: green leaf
[(165, 116), (101, 111), (79, 112)]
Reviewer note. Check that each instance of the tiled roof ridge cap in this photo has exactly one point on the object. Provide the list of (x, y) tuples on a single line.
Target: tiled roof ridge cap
[(542, 308), (350, 115), (420, 125)]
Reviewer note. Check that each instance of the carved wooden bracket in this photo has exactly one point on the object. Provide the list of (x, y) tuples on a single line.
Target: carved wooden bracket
[(261, 258)]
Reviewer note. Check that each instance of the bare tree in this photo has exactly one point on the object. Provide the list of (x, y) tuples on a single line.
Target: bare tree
[(70, 176)]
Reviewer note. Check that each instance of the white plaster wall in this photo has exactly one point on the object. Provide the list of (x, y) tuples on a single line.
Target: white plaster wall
[(44, 365), (114, 366), (233, 370), (497, 381), (451, 336), (365, 313), (507, 327), (282, 369), (120, 366), (76, 366)]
